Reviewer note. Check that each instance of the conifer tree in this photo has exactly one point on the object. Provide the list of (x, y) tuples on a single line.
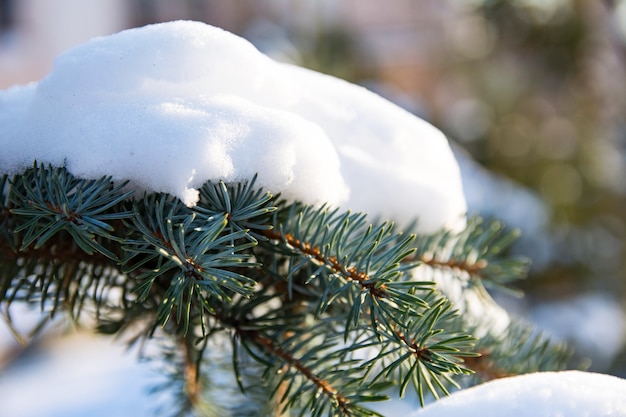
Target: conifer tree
[(324, 311)]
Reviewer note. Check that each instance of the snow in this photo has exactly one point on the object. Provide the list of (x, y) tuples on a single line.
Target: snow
[(110, 380), (171, 105), (595, 323), (479, 310), (544, 394)]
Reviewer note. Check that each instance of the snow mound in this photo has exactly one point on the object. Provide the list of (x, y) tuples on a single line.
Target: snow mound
[(171, 105), (542, 394)]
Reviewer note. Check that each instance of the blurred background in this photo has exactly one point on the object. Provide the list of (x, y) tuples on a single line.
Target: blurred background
[(531, 93)]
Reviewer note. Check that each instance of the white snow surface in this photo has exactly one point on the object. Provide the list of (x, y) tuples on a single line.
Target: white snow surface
[(542, 394), (171, 105), (595, 323)]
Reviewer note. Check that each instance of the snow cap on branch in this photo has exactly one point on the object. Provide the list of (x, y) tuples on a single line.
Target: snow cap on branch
[(171, 105)]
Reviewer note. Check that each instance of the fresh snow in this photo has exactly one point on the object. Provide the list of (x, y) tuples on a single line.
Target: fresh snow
[(595, 323), (110, 380), (543, 394), (171, 105)]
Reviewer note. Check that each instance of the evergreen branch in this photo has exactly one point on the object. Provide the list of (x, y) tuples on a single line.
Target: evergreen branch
[(422, 352), (364, 263), (58, 275), (326, 303), (306, 365), (66, 284), (475, 269), (52, 200), (435, 352), (479, 252), (341, 403), (193, 252), (311, 372), (60, 271), (520, 349), (351, 274), (246, 208)]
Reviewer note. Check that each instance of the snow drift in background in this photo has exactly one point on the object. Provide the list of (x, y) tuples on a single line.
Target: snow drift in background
[(172, 105), (543, 394)]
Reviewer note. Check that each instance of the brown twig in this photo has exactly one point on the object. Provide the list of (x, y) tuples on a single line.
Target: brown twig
[(420, 352), (53, 251), (351, 273), (192, 382), (474, 269), (323, 385), (485, 368)]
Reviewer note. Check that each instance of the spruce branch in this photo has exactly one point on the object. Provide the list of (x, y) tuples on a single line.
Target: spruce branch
[(324, 303), (246, 208), (423, 353), (478, 252), (53, 200), (191, 252), (361, 262), (59, 239), (520, 349), (311, 370)]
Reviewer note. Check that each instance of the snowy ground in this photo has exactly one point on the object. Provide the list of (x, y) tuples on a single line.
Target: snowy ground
[(77, 376)]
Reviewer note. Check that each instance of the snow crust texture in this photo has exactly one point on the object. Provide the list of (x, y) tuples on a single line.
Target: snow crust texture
[(171, 105), (542, 394)]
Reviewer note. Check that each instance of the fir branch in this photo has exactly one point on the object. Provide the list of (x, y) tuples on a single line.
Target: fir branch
[(478, 252), (310, 371), (306, 364), (363, 262), (341, 403), (350, 273), (520, 349), (60, 239), (52, 200), (193, 252), (306, 292), (246, 208), (59, 285), (473, 269), (424, 351)]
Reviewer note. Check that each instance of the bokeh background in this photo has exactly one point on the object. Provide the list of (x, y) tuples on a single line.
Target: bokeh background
[(531, 93)]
